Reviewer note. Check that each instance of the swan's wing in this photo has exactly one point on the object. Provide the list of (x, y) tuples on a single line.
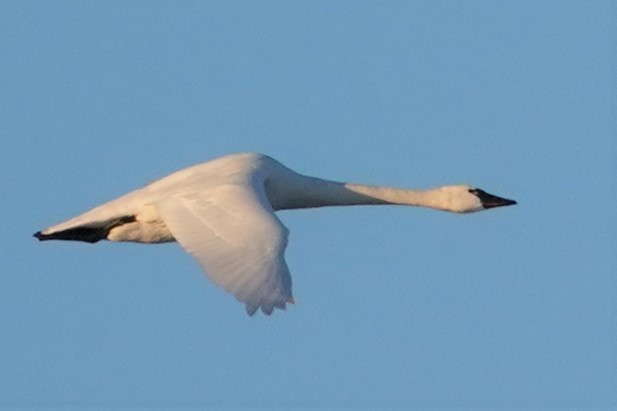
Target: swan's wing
[(237, 239)]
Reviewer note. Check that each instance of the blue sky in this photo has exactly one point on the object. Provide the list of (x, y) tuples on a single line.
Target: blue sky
[(397, 308)]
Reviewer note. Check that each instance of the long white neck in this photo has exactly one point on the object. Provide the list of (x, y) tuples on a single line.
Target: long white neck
[(309, 192)]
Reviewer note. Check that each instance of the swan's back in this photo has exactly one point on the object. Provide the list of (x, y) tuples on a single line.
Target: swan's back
[(242, 168), (233, 168)]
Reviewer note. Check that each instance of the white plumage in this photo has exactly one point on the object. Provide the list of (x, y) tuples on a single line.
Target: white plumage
[(222, 213)]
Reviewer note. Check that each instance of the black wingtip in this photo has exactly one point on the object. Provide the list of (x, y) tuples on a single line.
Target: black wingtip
[(86, 233)]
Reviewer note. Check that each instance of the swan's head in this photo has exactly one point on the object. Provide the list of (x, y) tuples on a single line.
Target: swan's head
[(468, 199)]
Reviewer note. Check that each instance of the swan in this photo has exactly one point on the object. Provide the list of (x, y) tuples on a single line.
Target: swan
[(222, 213)]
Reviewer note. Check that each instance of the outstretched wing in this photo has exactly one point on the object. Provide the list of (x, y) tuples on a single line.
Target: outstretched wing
[(233, 233)]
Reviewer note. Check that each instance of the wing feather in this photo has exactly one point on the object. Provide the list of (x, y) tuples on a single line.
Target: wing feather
[(233, 233)]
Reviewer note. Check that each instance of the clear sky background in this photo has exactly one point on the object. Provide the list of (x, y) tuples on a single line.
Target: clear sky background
[(397, 308)]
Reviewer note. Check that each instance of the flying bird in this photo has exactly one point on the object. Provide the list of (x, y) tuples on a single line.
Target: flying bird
[(222, 213)]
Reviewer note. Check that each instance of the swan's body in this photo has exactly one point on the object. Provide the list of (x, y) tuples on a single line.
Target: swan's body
[(222, 212)]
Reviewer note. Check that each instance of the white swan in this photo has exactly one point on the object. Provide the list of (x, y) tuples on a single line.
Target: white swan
[(222, 212)]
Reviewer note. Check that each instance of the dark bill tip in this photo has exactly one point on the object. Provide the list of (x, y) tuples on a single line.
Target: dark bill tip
[(498, 202), (490, 200)]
